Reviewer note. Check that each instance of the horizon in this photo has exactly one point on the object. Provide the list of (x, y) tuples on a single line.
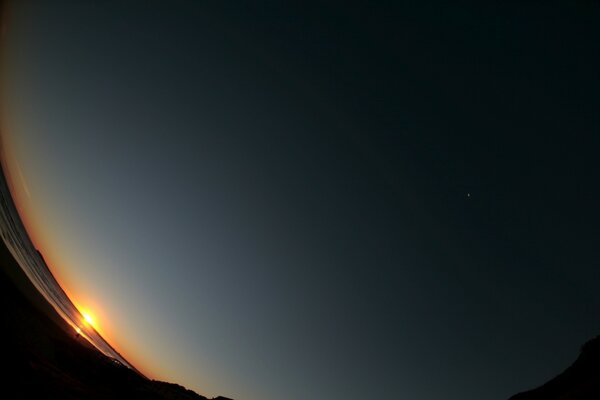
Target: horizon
[(32, 262), (332, 201)]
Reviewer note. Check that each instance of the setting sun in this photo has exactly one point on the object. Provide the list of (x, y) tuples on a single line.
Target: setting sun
[(88, 318)]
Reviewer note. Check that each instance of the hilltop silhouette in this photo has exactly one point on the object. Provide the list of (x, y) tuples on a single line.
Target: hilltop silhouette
[(581, 381)]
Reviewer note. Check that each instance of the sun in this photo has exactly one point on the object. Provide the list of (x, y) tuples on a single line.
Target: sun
[(88, 318)]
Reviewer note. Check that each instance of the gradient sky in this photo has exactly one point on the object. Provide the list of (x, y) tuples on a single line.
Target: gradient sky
[(317, 201)]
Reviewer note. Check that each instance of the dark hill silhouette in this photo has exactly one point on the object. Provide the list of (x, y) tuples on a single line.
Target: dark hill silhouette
[(581, 381), (44, 357)]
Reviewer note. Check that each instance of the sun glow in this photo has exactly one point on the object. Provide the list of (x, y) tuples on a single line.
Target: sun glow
[(88, 318)]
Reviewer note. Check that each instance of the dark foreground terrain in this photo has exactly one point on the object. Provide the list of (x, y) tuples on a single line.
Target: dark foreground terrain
[(44, 358), (581, 381)]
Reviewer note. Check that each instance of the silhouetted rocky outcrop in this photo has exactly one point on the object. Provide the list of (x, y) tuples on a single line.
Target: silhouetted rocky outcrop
[(581, 381)]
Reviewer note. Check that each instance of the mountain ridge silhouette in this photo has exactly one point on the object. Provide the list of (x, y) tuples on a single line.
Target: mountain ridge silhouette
[(580, 381)]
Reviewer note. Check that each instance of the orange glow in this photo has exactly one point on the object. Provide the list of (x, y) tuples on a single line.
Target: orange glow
[(43, 237)]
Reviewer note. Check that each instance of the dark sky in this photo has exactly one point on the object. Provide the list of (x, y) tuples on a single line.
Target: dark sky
[(317, 201)]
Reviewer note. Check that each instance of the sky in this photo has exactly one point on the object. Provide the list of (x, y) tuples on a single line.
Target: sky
[(316, 200)]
